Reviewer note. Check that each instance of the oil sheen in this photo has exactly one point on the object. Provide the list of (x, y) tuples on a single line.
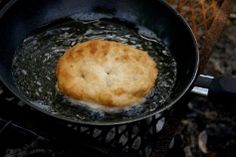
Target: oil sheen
[(36, 59)]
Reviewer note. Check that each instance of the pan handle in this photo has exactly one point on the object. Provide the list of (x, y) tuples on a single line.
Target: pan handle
[(217, 89)]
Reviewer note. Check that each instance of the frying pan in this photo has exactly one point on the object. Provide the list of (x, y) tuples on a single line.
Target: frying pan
[(21, 17)]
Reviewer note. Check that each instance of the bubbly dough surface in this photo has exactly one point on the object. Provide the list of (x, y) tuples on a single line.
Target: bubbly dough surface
[(107, 73)]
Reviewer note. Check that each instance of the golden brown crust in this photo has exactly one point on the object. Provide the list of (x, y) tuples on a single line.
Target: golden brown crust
[(106, 73)]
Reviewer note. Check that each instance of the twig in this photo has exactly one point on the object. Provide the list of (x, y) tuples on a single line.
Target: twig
[(232, 16)]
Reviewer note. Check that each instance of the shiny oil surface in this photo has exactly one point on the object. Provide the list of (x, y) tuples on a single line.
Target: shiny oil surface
[(35, 63)]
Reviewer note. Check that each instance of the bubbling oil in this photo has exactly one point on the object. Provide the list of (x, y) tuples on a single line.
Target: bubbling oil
[(36, 59)]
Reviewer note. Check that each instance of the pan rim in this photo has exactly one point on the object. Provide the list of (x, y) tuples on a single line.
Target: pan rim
[(126, 121)]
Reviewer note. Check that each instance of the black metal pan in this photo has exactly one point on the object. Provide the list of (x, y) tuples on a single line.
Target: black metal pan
[(21, 18)]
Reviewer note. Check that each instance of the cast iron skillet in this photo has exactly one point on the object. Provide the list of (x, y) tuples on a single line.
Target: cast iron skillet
[(21, 17)]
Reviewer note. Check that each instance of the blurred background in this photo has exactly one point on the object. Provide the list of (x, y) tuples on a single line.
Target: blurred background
[(209, 129)]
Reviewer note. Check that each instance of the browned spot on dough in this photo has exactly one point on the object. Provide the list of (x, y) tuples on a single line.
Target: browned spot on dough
[(119, 91), (82, 75), (79, 50), (126, 50), (93, 47), (107, 99), (125, 57), (139, 93), (105, 48)]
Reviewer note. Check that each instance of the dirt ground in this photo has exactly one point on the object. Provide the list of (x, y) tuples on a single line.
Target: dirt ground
[(209, 129)]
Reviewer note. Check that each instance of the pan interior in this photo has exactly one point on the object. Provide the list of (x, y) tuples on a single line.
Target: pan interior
[(35, 63)]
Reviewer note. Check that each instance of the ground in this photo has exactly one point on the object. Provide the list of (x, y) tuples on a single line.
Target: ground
[(209, 129)]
